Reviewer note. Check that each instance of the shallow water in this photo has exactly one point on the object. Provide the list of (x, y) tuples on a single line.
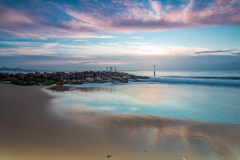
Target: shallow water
[(158, 120), (198, 103)]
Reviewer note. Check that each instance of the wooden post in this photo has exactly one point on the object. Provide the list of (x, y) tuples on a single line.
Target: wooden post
[(154, 69)]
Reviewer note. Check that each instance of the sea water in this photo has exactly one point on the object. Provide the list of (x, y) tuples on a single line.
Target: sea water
[(192, 95), (175, 115)]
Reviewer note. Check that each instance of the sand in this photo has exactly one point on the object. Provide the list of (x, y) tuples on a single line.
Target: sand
[(30, 129)]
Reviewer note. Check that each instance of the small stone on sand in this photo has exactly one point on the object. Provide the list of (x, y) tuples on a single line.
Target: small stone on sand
[(109, 156)]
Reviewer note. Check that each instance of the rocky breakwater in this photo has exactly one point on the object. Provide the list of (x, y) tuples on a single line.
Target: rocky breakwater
[(61, 78)]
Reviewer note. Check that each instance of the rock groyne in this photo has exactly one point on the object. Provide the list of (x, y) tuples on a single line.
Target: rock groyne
[(61, 78)]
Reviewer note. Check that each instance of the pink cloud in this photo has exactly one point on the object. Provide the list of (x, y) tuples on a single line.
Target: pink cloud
[(125, 17), (157, 8), (12, 16), (215, 15)]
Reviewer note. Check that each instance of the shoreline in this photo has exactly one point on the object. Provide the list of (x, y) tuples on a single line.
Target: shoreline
[(31, 129)]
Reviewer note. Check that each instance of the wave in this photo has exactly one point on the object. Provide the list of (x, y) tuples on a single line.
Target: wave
[(214, 81)]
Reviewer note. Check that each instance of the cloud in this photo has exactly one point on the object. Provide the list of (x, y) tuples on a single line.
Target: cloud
[(98, 19), (50, 45), (136, 37), (12, 16), (66, 62), (225, 52), (135, 17), (108, 63), (108, 49), (157, 8), (134, 55), (216, 51)]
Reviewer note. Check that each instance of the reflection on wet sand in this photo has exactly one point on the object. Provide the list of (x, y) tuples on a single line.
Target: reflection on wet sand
[(126, 117), (150, 93), (39, 126), (168, 138)]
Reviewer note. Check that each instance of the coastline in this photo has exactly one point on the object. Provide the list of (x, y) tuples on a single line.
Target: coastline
[(30, 129)]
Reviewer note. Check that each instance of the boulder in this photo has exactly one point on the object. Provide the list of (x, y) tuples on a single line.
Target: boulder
[(30, 79), (55, 78), (20, 76), (10, 79), (37, 75), (125, 77), (44, 76), (88, 79), (73, 81), (78, 81), (39, 80), (5, 75), (99, 80), (64, 81), (108, 80)]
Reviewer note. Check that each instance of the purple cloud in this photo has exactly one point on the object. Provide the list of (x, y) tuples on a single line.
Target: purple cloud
[(87, 18)]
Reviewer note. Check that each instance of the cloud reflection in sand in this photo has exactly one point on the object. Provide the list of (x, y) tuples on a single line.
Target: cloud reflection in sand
[(166, 136)]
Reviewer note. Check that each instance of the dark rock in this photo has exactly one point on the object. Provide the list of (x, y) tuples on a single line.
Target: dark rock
[(10, 79), (109, 156), (69, 78), (55, 78), (80, 77), (88, 79), (99, 80), (39, 80), (20, 76), (37, 75), (5, 75), (45, 76), (30, 79)]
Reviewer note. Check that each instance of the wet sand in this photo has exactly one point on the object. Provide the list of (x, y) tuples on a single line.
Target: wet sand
[(30, 129)]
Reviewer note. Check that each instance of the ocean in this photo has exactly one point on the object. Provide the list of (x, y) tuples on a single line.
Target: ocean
[(195, 77)]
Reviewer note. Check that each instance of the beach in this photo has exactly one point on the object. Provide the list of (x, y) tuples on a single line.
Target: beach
[(120, 79), (89, 123), (29, 131)]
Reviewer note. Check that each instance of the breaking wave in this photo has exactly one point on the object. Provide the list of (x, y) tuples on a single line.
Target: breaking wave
[(213, 81)]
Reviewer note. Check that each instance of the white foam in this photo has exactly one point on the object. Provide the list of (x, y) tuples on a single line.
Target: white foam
[(199, 81)]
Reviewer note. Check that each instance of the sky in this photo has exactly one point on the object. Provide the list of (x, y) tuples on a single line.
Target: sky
[(130, 34)]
